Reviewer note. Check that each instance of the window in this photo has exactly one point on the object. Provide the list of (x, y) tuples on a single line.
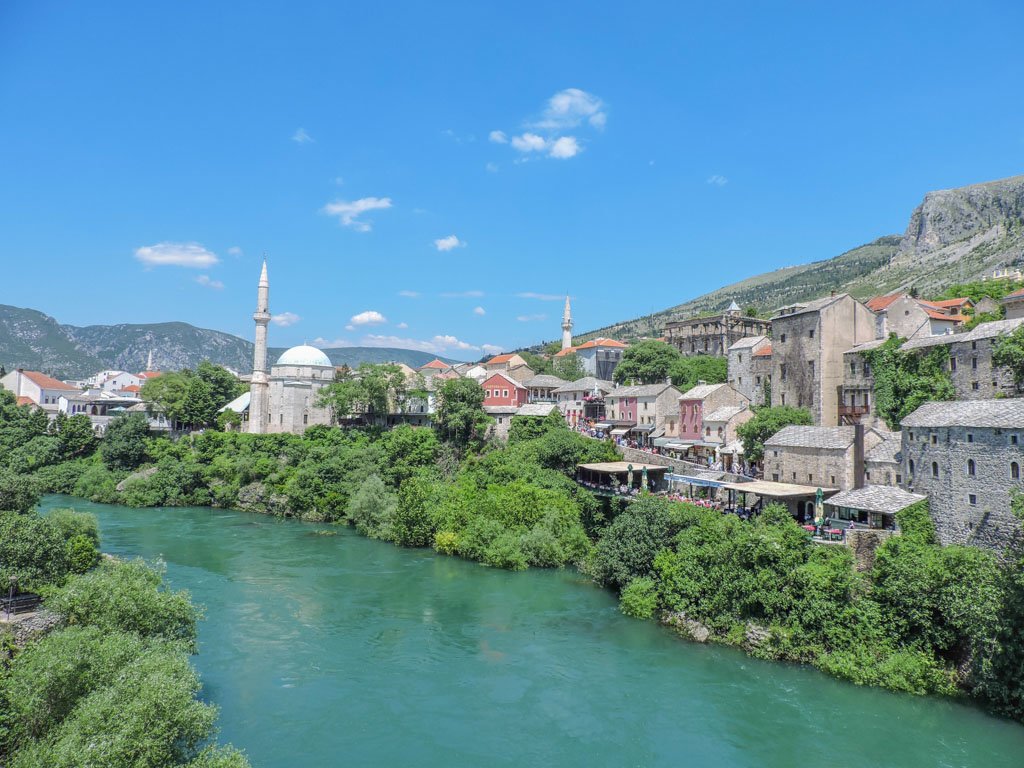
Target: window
[(305, 418), (935, 439), (775, 477), (974, 386), (911, 467), (899, 478), (853, 368), (783, 398), (487, 393), (782, 371), (810, 478), (794, 477), (782, 338), (810, 334), (810, 367), (739, 358), (775, 453), (974, 363), (867, 476), (1014, 470), (867, 369), (504, 393), (757, 380), (972, 499), (970, 438), (952, 364), (1013, 439), (935, 469), (911, 435), (970, 467), (974, 345)]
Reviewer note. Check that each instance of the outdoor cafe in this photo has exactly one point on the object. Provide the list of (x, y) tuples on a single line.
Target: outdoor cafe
[(621, 478)]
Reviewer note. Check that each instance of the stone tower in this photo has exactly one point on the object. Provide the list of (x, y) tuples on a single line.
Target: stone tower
[(566, 326), (258, 395)]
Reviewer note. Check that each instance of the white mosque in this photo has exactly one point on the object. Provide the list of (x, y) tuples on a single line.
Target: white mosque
[(285, 399)]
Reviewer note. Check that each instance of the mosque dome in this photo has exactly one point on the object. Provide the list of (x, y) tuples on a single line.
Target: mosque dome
[(305, 355)]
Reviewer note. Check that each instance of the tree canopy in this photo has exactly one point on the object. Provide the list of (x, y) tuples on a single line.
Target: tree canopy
[(193, 397), (766, 422), (687, 371), (459, 416), (371, 392), (646, 362)]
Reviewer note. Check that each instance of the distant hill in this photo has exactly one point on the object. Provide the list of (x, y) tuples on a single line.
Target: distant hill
[(954, 235), (31, 339)]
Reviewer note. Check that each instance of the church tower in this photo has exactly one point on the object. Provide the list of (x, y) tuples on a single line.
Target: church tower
[(566, 326), (258, 395)]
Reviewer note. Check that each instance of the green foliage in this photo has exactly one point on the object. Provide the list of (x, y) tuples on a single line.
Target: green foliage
[(193, 397), (460, 418), (33, 550), (766, 422), (372, 508), (568, 367), (538, 364), (127, 597), (124, 444), (18, 493), (370, 392), (906, 380), (75, 436), (525, 428), (1008, 352), (687, 371), (647, 362), (639, 599), (627, 548), (981, 289)]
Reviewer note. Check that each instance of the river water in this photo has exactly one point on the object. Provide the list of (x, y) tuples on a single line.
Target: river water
[(339, 650)]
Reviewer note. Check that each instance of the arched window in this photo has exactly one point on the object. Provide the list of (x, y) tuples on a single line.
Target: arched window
[(1014, 470), (935, 469), (911, 466), (970, 467)]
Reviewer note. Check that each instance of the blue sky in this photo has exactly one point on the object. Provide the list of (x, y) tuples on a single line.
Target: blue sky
[(487, 158)]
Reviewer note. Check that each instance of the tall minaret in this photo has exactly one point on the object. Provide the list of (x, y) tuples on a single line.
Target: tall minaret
[(258, 400), (566, 326)]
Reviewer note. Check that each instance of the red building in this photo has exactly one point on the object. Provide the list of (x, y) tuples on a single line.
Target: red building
[(499, 389)]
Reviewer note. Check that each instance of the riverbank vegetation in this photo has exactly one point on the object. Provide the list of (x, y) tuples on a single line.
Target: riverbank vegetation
[(923, 619), (111, 684)]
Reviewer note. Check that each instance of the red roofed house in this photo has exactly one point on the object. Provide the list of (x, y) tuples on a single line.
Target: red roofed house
[(504, 362), (911, 318), (435, 368), (502, 390), (40, 389), (147, 375), (599, 357)]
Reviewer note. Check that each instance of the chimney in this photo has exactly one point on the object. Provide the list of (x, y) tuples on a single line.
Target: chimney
[(858, 455), (833, 293)]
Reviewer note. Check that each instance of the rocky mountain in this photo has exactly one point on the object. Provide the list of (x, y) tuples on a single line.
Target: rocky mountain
[(954, 236), (31, 339)]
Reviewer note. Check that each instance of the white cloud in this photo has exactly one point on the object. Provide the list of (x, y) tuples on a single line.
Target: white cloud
[(492, 167), (402, 326), (565, 147), (462, 294), (479, 311), (492, 349), (285, 319), (369, 317), (539, 296), (569, 108), (529, 142), (191, 255), (323, 343), (436, 345), (348, 212), (448, 243), (531, 318), (234, 250), (350, 327), (498, 137), (338, 181), (206, 281), (717, 180), (301, 137), (409, 294)]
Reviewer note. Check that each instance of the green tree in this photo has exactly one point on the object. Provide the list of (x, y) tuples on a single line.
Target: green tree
[(224, 385), (627, 548), (538, 364), (371, 392), (525, 428), (124, 444), (18, 493), (766, 422), (687, 371), (647, 362), (75, 436), (193, 397), (904, 380), (32, 550), (568, 367), (1008, 352), (459, 417)]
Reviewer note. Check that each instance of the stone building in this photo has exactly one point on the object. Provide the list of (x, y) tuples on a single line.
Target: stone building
[(970, 360), (653, 410), (827, 457), (708, 417), (750, 367), (911, 318), (36, 388), (1014, 305), (583, 399), (882, 463), (598, 357), (714, 334), (541, 389), (967, 457), (856, 402), (808, 342)]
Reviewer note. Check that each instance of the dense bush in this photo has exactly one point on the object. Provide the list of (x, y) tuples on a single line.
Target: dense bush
[(33, 550)]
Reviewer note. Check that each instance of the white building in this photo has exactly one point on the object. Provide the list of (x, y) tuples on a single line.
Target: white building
[(36, 388)]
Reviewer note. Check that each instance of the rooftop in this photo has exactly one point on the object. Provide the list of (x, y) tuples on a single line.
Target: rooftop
[(811, 306), (867, 345), (436, 364), (878, 303), (640, 390), (46, 382), (501, 359), (1005, 413), (828, 438), (765, 351), (536, 409), (1019, 294), (586, 384), (886, 450), (747, 342), (876, 498), (545, 380), (725, 413), (983, 331), (617, 467), (701, 391)]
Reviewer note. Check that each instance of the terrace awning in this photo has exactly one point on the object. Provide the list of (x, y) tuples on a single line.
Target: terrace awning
[(697, 481), (642, 428), (602, 425), (620, 430)]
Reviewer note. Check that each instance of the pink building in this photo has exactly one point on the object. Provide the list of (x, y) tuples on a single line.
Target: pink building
[(697, 403), (501, 390)]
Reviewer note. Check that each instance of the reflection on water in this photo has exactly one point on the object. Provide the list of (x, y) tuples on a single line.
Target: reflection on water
[(328, 650)]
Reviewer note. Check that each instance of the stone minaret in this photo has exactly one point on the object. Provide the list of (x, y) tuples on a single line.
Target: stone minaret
[(258, 396), (566, 326)]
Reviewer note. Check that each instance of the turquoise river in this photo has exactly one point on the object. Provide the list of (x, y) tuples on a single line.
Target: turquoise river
[(342, 651)]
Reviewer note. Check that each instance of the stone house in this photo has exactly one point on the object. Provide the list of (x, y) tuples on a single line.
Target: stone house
[(541, 389), (502, 415), (967, 457), (1013, 304), (856, 401), (653, 409), (827, 457), (504, 362), (911, 318), (582, 399), (598, 357), (808, 342), (750, 367), (697, 404), (882, 463), (970, 360), (521, 373), (37, 388), (871, 506), (714, 334)]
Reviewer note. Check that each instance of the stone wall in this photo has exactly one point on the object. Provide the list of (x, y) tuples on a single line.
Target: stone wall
[(864, 543), (968, 508), (810, 466)]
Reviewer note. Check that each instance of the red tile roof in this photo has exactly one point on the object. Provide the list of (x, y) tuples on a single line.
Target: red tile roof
[(132, 388), (150, 374), (435, 363), (46, 382), (935, 314), (953, 303), (878, 303), (1015, 295), (22, 400), (765, 351), (499, 359)]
